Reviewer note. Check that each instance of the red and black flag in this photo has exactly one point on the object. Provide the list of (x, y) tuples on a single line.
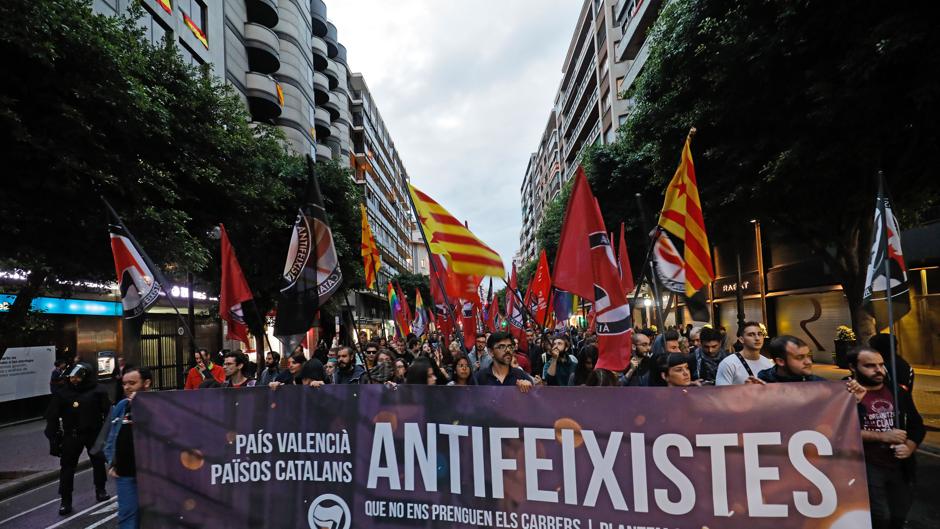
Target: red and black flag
[(886, 268), (139, 280), (311, 274), (235, 294)]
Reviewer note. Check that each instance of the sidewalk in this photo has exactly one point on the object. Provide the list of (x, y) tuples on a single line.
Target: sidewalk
[(25, 461), (926, 398)]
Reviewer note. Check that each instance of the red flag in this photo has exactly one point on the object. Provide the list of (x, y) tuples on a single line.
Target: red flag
[(573, 268), (492, 322), (405, 309), (587, 267), (469, 323), (457, 286), (626, 273), (235, 291), (540, 289)]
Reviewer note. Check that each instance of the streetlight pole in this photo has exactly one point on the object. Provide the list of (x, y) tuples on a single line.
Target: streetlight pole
[(760, 270)]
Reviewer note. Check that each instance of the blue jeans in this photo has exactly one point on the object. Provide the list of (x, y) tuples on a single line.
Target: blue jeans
[(127, 503)]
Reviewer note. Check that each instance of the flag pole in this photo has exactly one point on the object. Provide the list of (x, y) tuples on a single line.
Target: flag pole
[(181, 371), (887, 271), (435, 272), (648, 266)]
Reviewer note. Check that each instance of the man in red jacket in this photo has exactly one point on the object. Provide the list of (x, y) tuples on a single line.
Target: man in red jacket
[(203, 369)]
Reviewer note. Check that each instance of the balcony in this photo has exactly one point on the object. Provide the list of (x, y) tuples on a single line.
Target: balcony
[(321, 122), (324, 153), (264, 96), (331, 41), (321, 88), (319, 53), (639, 16), (341, 53), (332, 75), (318, 17), (263, 12), (262, 48), (332, 106)]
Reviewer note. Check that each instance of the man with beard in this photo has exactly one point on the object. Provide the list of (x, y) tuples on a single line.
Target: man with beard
[(889, 446), (707, 356), (73, 420), (640, 363), (272, 368), (479, 357), (793, 361), (347, 372), (501, 372)]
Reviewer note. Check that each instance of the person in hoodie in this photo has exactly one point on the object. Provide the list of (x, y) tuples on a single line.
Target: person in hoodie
[(73, 420), (793, 361)]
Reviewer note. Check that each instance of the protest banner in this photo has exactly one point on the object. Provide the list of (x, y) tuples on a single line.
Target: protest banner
[(786, 455)]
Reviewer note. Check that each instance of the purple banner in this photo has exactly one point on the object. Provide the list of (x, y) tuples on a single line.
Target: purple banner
[(338, 457)]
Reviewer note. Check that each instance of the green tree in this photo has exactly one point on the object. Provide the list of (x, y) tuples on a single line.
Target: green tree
[(410, 283), (797, 105), (90, 109)]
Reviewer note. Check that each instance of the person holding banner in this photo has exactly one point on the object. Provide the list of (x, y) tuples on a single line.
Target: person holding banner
[(891, 433), (741, 367), (501, 372), (119, 447), (347, 371)]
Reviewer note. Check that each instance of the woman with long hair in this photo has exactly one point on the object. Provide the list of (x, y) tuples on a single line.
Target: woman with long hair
[(585, 365), (420, 372), (463, 374)]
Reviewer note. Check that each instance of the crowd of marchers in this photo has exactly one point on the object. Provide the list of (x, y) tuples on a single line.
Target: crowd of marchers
[(85, 415)]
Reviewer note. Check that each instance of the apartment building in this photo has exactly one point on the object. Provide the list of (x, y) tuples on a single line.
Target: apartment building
[(589, 106), (285, 61)]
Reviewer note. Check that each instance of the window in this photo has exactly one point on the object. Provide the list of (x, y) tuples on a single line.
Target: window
[(196, 11), (620, 87), (153, 29)]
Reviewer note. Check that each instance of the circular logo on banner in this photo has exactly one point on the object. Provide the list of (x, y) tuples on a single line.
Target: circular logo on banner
[(329, 511)]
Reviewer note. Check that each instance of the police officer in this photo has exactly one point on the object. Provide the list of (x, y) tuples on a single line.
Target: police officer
[(73, 420)]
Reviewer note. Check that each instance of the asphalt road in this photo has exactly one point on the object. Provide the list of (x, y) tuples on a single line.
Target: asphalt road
[(39, 507)]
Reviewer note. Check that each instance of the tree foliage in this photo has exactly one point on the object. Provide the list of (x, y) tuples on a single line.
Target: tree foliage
[(798, 105), (89, 109), (410, 283)]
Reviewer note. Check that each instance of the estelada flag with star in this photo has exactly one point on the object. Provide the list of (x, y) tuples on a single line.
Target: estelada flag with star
[(682, 218), (886, 250)]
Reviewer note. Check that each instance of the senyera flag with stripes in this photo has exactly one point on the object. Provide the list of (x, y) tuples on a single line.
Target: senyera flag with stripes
[(447, 236)]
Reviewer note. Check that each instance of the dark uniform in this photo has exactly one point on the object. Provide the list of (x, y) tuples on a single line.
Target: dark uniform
[(73, 420)]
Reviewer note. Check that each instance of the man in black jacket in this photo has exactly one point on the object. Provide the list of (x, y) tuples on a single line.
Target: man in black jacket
[(73, 420), (793, 361), (891, 433)]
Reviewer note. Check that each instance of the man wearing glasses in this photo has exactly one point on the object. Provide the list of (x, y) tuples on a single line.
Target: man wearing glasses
[(501, 372), (741, 368)]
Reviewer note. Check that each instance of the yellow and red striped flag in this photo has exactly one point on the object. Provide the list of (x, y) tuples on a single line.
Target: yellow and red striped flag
[(682, 217), (447, 236), (371, 259), (197, 32)]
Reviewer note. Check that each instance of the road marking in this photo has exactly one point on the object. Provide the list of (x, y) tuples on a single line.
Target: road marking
[(76, 515), (102, 521), (36, 489), (15, 516), (107, 508)]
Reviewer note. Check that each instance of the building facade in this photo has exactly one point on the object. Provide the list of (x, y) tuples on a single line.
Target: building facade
[(589, 106), (284, 60)]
